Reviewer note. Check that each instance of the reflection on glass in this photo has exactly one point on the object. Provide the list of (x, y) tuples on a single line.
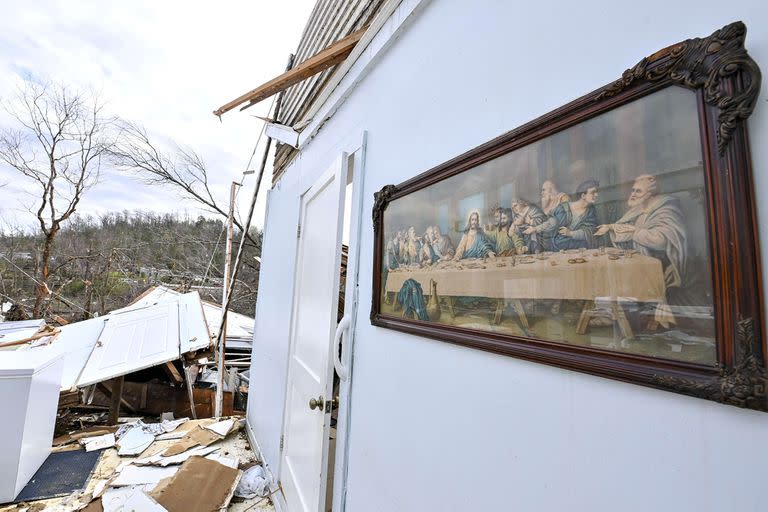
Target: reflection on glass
[(594, 236)]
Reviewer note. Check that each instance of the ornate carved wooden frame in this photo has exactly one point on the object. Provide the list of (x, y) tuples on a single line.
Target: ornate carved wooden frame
[(727, 82)]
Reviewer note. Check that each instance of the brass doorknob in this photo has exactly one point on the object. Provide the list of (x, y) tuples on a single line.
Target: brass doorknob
[(317, 403)]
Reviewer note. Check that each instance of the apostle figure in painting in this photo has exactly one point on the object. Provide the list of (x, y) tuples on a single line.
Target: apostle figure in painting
[(410, 249), (551, 197), (496, 214), (428, 255), (572, 224), (527, 215), (474, 243), (503, 236), (392, 253), (654, 226), (442, 245)]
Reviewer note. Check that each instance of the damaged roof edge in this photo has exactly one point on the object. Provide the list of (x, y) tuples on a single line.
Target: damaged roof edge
[(391, 18), (321, 61)]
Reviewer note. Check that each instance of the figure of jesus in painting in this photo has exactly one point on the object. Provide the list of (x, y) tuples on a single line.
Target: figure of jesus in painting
[(572, 224), (474, 243)]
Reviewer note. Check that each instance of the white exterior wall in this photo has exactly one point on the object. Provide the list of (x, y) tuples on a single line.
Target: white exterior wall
[(441, 427)]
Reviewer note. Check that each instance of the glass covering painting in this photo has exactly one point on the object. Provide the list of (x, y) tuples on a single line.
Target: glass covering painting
[(594, 236)]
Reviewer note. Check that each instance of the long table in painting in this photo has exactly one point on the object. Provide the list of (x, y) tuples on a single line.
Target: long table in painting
[(607, 277)]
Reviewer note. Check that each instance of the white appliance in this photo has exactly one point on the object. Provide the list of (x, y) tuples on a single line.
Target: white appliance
[(29, 396)]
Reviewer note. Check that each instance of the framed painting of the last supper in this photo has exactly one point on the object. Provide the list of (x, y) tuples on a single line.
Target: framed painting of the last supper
[(615, 235)]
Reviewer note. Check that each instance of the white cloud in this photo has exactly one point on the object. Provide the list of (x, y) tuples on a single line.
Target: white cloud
[(165, 64)]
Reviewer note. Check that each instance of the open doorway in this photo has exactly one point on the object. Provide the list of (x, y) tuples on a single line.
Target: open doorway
[(344, 249), (320, 301)]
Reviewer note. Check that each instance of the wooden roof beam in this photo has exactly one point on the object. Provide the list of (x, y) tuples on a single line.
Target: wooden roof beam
[(321, 61)]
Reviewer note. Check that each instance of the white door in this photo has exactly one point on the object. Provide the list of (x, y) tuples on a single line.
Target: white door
[(132, 341), (310, 377)]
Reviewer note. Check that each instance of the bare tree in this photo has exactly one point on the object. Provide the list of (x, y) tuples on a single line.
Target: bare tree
[(185, 170), (57, 144)]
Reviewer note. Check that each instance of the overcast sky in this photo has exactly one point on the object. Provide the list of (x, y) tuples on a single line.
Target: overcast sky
[(165, 64)]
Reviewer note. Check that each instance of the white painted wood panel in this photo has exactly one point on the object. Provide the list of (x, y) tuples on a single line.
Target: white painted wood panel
[(132, 341), (75, 342), (194, 331)]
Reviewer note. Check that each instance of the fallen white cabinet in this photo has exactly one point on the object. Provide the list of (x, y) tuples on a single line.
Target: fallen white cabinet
[(29, 396)]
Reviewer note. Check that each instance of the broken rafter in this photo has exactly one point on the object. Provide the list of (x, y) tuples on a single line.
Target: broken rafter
[(173, 373), (116, 390), (108, 391), (321, 61)]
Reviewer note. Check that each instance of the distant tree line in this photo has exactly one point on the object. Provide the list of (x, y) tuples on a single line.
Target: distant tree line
[(101, 263)]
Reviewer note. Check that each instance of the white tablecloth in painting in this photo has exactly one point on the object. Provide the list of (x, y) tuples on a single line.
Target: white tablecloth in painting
[(636, 278)]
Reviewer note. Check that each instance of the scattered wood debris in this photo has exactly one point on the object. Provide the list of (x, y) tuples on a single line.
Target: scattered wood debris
[(202, 476), (210, 483), (98, 442)]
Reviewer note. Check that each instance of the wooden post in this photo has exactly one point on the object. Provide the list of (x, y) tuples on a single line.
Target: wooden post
[(188, 371), (117, 395), (225, 298)]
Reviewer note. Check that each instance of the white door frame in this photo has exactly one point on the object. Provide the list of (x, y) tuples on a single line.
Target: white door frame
[(348, 324)]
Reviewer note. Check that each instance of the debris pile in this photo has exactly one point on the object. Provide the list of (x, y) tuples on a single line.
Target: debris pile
[(153, 359), (169, 465), (152, 356)]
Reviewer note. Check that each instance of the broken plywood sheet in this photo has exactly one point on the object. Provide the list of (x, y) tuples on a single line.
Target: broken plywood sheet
[(98, 442), (133, 341), (212, 484), (115, 499), (232, 462), (222, 428), (135, 441), (141, 475), (172, 425), (87, 432), (160, 460), (141, 502), (171, 436), (196, 437), (94, 506)]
